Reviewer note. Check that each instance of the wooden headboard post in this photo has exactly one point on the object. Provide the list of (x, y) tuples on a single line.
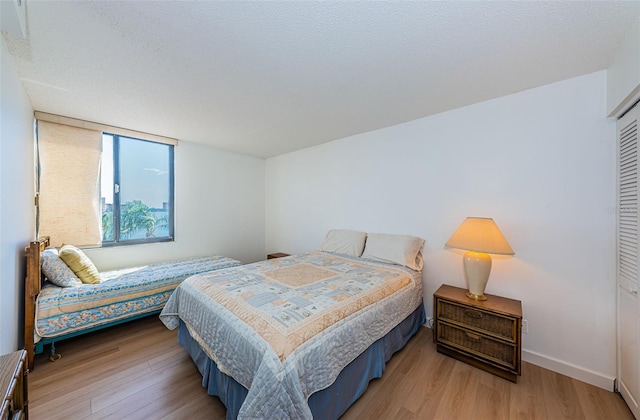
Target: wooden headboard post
[(32, 284)]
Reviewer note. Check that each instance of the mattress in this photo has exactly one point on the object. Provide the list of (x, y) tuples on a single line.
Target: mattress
[(121, 294), (286, 328)]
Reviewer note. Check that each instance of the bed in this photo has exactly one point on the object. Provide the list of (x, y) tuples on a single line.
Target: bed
[(301, 336), (57, 312)]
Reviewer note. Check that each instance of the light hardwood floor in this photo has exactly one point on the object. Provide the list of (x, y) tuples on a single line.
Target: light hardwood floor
[(138, 371)]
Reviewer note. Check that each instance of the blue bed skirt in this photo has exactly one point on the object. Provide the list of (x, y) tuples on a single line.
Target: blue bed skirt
[(329, 403)]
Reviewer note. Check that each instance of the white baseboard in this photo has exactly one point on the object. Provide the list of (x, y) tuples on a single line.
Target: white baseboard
[(568, 369)]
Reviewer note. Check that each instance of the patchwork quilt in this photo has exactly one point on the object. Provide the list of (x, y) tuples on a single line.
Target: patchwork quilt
[(285, 328)]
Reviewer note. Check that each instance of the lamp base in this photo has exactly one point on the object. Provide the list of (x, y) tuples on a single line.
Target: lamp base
[(476, 297), (477, 266)]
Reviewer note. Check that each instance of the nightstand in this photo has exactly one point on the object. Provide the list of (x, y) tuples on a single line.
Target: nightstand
[(485, 334), (276, 255), (13, 385)]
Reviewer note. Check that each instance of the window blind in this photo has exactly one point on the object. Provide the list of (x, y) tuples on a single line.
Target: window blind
[(69, 179)]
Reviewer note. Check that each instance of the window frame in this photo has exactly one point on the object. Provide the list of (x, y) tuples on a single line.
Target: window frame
[(117, 241)]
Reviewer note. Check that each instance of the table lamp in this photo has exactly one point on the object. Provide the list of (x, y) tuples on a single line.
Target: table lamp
[(479, 236)]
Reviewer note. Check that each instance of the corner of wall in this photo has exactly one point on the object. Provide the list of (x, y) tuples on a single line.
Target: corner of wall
[(16, 198), (623, 74), (568, 369)]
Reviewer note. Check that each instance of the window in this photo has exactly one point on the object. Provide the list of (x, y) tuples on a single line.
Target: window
[(136, 186), (102, 185)]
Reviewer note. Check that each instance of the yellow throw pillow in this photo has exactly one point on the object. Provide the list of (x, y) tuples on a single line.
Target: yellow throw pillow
[(79, 263)]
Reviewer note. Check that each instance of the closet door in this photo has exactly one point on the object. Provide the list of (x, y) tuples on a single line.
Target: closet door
[(627, 279)]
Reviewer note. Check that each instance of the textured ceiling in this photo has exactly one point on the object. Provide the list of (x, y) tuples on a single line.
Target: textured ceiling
[(266, 78)]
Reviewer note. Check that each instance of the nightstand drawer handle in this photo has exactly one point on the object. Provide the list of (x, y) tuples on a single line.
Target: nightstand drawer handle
[(473, 337), (473, 314)]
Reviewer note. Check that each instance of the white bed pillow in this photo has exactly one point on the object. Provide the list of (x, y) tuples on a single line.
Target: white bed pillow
[(398, 249), (56, 271), (343, 241)]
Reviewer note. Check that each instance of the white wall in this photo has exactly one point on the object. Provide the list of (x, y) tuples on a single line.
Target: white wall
[(219, 205), (540, 162), (16, 200)]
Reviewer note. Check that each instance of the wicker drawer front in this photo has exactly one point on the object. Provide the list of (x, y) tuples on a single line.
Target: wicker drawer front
[(479, 345), (492, 323)]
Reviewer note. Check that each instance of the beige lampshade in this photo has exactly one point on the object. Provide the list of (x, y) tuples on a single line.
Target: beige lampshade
[(480, 234)]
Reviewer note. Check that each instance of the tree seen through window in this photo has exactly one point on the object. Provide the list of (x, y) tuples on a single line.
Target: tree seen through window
[(136, 190)]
